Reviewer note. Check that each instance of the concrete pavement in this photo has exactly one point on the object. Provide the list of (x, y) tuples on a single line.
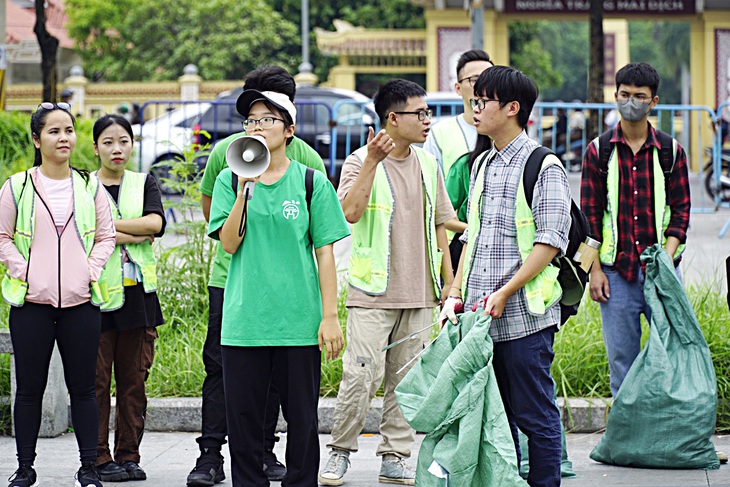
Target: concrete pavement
[(168, 457)]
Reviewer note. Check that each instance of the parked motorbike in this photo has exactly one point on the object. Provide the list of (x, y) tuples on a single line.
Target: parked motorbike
[(711, 186)]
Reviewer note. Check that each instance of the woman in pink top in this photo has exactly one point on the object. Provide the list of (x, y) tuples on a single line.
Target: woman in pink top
[(56, 234)]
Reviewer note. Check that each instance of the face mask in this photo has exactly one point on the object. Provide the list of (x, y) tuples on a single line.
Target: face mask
[(632, 110)]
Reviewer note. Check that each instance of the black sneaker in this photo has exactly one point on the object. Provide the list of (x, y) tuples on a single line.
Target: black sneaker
[(134, 471), (208, 469), (88, 476), (274, 469), (25, 476), (112, 472)]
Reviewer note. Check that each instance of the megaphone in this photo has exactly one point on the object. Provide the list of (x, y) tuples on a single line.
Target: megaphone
[(248, 157)]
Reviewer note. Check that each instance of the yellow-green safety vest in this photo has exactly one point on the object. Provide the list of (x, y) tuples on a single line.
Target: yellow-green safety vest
[(84, 212), (543, 290), (662, 211), (370, 254), (451, 140), (131, 205)]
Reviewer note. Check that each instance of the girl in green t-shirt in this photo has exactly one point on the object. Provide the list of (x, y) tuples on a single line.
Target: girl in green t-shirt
[(279, 307)]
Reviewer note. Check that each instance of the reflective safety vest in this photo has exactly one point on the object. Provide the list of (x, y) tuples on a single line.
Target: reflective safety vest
[(84, 218), (662, 211), (451, 140), (370, 255), (543, 291), (131, 205)]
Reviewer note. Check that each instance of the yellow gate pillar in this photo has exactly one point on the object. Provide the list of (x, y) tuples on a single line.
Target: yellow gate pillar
[(707, 83), (448, 35)]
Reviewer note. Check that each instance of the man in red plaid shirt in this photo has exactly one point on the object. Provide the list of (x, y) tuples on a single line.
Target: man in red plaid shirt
[(632, 201)]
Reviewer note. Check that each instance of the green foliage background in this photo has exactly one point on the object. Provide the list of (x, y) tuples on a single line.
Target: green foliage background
[(154, 39)]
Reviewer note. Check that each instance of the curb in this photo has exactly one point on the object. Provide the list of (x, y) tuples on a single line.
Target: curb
[(580, 415)]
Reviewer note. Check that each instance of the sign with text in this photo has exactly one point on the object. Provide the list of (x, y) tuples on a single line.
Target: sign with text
[(623, 7)]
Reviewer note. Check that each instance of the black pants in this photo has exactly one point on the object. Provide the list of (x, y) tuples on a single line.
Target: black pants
[(247, 374), (455, 251), (214, 428), (522, 369), (34, 328)]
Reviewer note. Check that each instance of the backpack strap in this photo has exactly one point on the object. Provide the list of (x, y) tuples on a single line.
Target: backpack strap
[(667, 153), (309, 189), (532, 170), (481, 162), (604, 151)]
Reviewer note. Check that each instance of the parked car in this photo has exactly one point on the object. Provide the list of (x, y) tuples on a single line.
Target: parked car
[(316, 115), (165, 139)]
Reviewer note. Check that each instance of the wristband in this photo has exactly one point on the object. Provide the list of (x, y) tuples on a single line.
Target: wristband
[(456, 297)]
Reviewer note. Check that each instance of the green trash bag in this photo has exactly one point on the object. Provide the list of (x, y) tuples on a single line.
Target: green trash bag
[(451, 395), (664, 413)]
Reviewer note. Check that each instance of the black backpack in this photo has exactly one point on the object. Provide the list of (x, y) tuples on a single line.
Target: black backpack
[(572, 277)]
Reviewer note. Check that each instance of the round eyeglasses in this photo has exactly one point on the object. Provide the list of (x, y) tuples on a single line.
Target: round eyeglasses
[(265, 123), (470, 79), (422, 114)]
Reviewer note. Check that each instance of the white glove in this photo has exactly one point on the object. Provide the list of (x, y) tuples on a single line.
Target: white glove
[(452, 306)]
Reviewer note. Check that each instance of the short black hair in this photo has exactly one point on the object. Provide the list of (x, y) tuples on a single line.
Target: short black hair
[(508, 84), (469, 56), (394, 95), (638, 74), (271, 78)]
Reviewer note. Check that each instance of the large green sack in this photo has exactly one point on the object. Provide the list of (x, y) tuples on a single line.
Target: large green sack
[(664, 413), (451, 395)]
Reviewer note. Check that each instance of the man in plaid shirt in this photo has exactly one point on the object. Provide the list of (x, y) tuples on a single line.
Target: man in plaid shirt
[(509, 270), (630, 205)]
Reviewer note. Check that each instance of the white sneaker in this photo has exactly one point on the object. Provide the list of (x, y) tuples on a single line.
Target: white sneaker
[(395, 471), (335, 469)]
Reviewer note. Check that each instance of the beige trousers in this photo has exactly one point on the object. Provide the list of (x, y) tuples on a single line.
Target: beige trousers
[(363, 367)]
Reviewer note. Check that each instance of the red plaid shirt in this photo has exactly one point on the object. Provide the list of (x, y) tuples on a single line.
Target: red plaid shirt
[(636, 225)]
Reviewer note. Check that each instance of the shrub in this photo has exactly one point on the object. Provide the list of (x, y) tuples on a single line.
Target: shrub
[(16, 144)]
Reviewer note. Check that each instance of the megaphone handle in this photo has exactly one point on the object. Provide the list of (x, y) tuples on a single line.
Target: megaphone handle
[(248, 189), (247, 194)]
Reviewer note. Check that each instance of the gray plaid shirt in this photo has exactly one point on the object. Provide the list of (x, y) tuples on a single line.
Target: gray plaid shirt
[(497, 256)]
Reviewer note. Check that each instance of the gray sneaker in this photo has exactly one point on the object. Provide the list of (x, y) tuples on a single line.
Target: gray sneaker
[(335, 469), (395, 471)]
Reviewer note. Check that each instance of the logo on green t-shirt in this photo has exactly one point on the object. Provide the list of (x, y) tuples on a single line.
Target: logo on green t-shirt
[(291, 209)]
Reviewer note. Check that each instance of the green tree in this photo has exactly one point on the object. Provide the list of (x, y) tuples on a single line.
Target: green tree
[(155, 39), (529, 56), (567, 43), (664, 45), (377, 14)]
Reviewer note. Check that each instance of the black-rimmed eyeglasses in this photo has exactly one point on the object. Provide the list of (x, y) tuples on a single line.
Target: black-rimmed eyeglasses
[(265, 123), (422, 114), (470, 79), (480, 103), (47, 105)]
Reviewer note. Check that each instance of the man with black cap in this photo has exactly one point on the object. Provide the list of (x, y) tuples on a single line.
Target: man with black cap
[(209, 466)]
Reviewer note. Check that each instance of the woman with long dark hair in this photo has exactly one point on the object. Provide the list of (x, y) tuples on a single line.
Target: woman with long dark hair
[(132, 312), (56, 234)]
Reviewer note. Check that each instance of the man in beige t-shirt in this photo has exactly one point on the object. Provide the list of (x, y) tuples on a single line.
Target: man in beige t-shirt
[(394, 195)]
